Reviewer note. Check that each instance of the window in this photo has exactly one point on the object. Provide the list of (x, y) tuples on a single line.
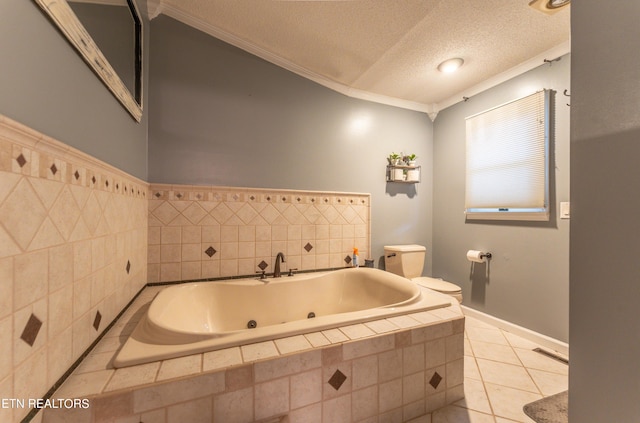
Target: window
[(507, 161)]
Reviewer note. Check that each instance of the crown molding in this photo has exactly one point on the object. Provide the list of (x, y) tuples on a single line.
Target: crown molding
[(553, 53), (258, 51), (430, 109)]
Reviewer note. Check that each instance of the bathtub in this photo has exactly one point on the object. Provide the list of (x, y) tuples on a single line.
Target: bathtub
[(205, 316)]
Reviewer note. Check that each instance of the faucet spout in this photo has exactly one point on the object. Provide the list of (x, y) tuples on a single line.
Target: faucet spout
[(276, 267)]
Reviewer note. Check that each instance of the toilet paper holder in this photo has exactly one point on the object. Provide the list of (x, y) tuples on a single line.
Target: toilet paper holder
[(486, 255)]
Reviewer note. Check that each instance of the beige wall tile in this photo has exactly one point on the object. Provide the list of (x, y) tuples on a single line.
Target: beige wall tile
[(435, 353), (30, 278), (239, 377), (390, 395), (365, 371), (6, 391), (221, 359), (6, 347), (236, 406), (81, 259), (181, 366), (337, 410), (271, 398), (364, 403), (168, 393), (413, 359), (170, 235), (292, 344), (154, 235), (306, 388), (133, 376), (199, 411), (109, 407), (6, 287), (30, 377), (60, 266), (191, 270), (309, 414), (83, 385), (317, 339), (390, 365), (413, 387), (60, 356), (284, 366), (368, 346)]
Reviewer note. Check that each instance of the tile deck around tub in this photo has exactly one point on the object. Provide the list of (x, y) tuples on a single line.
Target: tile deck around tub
[(96, 374)]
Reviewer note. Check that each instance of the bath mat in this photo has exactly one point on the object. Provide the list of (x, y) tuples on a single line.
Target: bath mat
[(552, 409)]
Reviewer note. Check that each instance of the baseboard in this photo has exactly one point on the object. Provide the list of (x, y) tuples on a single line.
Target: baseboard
[(538, 338)]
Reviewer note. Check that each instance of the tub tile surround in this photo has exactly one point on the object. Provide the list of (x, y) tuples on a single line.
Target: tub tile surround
[(352, 373), (201, 232), (73, 252)]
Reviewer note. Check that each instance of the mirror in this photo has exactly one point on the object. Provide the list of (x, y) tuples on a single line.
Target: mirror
[(108, 35)]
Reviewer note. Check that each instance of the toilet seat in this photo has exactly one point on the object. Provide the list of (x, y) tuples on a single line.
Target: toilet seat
[(439, 285)]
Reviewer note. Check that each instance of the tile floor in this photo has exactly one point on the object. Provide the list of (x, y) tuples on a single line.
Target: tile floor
[(502, 374)]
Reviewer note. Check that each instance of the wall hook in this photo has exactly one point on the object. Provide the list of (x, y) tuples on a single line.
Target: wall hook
[(465, 99), (550, 61), (566, 93)]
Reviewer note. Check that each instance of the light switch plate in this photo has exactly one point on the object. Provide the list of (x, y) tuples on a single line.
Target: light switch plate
[(565, 210)]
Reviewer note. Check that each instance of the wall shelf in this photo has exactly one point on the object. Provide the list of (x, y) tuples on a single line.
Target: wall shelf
[(404, 174)]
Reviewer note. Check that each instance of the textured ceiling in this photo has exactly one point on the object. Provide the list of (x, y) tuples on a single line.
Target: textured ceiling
[(386, 50)]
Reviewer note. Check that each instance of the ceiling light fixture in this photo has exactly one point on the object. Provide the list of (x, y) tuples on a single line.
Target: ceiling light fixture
[(450, 65), (549, 6)]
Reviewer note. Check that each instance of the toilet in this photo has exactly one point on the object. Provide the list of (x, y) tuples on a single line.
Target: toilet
[(408, 261)]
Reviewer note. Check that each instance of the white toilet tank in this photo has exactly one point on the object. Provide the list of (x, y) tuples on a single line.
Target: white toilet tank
[(405, 260)]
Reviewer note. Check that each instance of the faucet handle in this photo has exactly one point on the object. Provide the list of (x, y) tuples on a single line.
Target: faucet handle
[(291, 272), (263, 274)]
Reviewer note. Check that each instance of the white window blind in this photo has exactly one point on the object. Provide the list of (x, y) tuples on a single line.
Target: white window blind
[(507, 172)]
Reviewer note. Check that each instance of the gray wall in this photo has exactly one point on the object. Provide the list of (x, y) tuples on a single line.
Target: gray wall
[(604, 382), (220, 116), (47, 86), (528, 283)]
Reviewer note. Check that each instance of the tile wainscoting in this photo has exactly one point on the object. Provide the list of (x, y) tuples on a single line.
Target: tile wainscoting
[(398, 369), (198, 232), (73, 253)]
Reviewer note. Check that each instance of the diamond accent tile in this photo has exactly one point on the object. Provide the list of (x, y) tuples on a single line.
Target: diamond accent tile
[(179, 195), (21, 160), (263, 265), (210, 251), (158, 194), (337, 380), (128, 268), (76, 175), (308, 247), (30, 332), (53, 169), (435, 380), (96, 321), (347, 259), (93, 179)]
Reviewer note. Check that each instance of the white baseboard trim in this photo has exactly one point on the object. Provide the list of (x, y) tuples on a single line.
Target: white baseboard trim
[(538, 338)]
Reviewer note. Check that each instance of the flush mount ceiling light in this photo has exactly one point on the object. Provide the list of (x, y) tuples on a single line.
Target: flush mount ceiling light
[(549, 6), (450, 65)]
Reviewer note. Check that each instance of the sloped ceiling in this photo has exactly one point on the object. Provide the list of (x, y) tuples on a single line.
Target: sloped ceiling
[(386, 50)]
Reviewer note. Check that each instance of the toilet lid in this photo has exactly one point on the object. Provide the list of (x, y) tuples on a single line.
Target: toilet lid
[(438, 285)]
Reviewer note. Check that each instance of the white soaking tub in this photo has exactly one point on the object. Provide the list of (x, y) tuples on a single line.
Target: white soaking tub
[(205, 316)]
